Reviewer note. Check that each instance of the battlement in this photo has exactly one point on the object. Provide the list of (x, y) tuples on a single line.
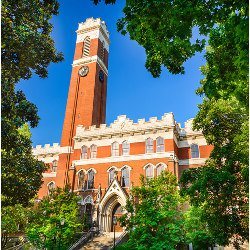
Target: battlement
[(125, 125), (47, 149), (92, 23)]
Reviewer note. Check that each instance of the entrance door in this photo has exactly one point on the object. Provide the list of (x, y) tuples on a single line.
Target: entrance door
[(117, 212)]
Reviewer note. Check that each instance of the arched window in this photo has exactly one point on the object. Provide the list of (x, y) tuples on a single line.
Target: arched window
[(149, 171), (80, 180), (54, 166), (195, 151), (159, 169), (111, 174), (115, 149), (86, 46), (91, 178), (149, 145), (51, 187), (93, 151), (125, 148), (102, 51), (125, 177), (159, 144), (84, 152)]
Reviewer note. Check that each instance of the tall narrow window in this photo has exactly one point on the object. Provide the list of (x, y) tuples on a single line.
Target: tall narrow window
[(149, 171), (125, 148), (84, 152), (194, 151), (115, 149), (86, 46), (125, 177), (111, 174), (93, 151), (149, 145), (91, 177), (159, 144), (159, 169), (51, 187), (81, 180), (102, 51), (54, 166)]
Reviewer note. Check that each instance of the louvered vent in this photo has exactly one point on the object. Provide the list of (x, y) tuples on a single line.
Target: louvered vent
[(86, 46)]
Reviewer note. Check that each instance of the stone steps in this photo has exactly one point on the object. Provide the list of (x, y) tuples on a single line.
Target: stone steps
[(102, 242)]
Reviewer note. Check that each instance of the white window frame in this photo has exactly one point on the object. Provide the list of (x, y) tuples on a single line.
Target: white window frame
[(115, 151), (160, 147), (93, 151), (85, 154), (129, 170), (146, 167), (127, 148), (191, 151), (149, 146)]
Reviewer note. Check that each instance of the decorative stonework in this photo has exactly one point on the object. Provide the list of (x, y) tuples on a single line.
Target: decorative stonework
[(94, 28), (88, 60)]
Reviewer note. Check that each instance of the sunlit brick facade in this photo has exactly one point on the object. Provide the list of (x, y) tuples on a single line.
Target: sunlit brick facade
[(102, 162)]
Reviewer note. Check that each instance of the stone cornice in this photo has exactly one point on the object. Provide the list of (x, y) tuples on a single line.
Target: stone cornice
[(88, 60)]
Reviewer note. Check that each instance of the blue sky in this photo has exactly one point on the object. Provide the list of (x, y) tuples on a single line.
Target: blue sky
[(131, 88)]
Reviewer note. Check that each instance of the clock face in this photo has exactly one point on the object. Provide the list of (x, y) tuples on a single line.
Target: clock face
[(83, 71), (101, 76)]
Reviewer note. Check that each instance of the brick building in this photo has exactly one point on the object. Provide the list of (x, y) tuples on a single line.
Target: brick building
[(100, 162)]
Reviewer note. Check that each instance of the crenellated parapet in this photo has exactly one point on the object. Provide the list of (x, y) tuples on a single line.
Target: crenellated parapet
[(49, 150), (125, 126), (93, 28)]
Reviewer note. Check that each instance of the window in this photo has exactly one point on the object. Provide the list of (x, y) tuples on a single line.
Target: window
[(125, 177), (91, 176), (115, 149), (54, 166), (159, 169), (149, 145), (159, 144), (149, 171), (51, 187), (84, 152), (81, 180), (194, 151), (111, 174), (86, 46), (102, 51), (93, 151), (125, 148)]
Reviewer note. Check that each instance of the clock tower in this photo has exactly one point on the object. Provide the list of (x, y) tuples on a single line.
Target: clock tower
[(86, 104)]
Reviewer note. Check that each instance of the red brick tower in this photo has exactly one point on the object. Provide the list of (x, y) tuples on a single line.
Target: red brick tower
[(86, 104)]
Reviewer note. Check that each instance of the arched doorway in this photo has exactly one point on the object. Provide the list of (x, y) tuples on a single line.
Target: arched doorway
[(117, 212), (113, 206)]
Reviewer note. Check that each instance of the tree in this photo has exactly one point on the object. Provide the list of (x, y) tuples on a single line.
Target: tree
[(21, 172), (196, 229), (166, 31), (27, 48), (13, 221), (154, 217), (54, 221)]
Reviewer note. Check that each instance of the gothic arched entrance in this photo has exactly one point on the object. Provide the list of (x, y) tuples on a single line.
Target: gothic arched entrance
[(112, 205)]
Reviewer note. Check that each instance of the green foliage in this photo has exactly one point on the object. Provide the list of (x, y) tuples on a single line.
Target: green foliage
[(55, 220), (196, 229), (27, 48), (165, 30), (26, 42), (13, 219), (21, 172), (154, 216)]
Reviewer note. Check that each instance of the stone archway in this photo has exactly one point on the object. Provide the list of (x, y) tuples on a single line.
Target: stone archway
[(113, 199)]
